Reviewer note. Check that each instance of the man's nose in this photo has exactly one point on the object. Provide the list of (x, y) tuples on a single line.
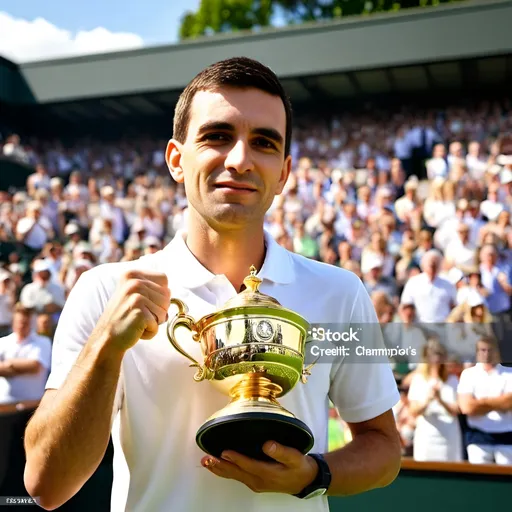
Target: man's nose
[(239, 158)]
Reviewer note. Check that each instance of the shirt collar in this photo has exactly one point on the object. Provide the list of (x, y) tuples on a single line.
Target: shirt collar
[(277, 267)]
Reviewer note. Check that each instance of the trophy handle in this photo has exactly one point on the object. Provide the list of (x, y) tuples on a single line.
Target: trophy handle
[(307, 371), (182, 318)]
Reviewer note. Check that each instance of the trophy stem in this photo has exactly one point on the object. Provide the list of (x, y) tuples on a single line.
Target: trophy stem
[(256, 386)]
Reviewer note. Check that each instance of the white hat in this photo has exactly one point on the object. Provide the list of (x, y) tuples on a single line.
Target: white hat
[(138, 226), (71, 229), (474, 299), (373, 261), (107, 190), (506, 176), (504, 160), (455, 275), (152, 240), (42, 266), (83, 263), (4, 275)]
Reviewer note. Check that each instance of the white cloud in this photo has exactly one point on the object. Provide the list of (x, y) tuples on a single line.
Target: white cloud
[(23, 41)]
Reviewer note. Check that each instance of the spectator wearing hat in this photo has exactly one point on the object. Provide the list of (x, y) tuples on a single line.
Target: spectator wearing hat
[(374, 280), (25, 359), (432, 296), (433, 402), (485, 397), (151, 244), (43, 295)]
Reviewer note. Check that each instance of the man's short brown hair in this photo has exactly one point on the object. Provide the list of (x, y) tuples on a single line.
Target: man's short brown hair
[(240, 72), (22, 310)]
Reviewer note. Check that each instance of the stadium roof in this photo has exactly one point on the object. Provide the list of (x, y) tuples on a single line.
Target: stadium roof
[(458, 47)]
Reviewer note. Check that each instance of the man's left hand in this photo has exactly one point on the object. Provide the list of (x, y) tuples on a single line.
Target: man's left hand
[(289, 474)]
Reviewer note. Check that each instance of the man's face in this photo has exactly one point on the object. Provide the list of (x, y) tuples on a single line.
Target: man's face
[(232, 163), (21, 325), (485, 353)]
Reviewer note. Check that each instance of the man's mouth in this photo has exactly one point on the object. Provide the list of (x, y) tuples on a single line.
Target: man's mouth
[(242, 187)]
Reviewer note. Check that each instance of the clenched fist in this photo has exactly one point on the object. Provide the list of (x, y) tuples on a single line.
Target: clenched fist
[(138, 306)]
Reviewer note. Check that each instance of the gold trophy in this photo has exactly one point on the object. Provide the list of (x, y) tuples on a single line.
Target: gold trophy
[(254, 351)]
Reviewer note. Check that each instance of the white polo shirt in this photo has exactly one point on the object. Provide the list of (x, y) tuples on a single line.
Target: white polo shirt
[(431, 298), (482, 384), (162, 407), (28, 386)]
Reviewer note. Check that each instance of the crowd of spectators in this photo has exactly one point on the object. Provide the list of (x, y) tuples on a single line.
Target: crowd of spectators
[(415, 202)]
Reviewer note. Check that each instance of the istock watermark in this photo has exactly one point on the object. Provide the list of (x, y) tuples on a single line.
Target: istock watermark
[(396, 342)]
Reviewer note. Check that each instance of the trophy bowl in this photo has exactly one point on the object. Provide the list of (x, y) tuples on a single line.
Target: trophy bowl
[(254, 351)]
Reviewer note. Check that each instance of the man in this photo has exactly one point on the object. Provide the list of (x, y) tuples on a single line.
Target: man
[(24, 360), (43, 294), (231, 144), (432, 296), (485, 396)]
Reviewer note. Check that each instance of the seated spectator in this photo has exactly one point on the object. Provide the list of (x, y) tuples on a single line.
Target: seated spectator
[(433, 402), (25, 359), (485, 397)]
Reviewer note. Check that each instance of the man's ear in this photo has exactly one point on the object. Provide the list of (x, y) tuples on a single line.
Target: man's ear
[(285, 173), (173, 160)]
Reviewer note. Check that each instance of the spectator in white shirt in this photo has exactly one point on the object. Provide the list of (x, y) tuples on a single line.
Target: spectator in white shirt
[(491, 207), (485, 396), (24, 360), (433, 402), (432, 296), (34, 230), (460, 251), (43, 294), (437, 166)]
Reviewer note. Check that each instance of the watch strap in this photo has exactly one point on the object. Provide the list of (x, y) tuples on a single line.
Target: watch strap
[(322, 480)]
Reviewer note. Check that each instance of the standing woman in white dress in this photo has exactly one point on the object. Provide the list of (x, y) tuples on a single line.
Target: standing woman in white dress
[(433, 402)]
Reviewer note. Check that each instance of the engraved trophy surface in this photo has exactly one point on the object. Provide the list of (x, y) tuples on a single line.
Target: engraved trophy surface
[(253, 351)]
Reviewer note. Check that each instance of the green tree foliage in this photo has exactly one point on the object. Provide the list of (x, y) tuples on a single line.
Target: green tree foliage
[(218, 16)]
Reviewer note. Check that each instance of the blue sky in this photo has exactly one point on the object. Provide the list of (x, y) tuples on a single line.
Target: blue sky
[(156, 21), (37, 29)]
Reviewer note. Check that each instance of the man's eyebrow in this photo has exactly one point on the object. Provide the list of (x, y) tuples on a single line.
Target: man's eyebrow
[(215, 125), (270, 133)]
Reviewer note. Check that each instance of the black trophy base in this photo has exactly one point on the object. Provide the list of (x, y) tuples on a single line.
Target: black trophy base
[(246, 433)]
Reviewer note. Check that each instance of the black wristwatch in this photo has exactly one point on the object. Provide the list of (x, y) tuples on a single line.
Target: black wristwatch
[(321, 483)]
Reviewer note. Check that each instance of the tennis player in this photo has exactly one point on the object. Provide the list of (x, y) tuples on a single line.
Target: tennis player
[(114, 370)]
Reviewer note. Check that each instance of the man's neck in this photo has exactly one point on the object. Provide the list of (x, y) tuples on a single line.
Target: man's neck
[(230, 252)]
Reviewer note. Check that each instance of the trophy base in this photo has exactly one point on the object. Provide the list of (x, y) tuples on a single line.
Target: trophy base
[(252, 418), (247, 432)]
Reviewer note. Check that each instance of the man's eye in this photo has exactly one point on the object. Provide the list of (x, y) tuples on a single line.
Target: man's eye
[(265, 143), (216, 137)]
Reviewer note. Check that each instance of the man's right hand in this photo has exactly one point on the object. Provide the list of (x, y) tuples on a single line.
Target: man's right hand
[(138, 306)]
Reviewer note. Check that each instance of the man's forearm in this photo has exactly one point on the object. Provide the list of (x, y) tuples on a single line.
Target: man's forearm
[(501, 403), (370, 461), (67, 437)]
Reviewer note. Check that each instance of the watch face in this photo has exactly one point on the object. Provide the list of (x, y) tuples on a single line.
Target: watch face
[(314, 494)]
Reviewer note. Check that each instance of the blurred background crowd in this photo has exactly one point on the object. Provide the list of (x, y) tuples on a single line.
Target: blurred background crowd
[(415, 202)]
